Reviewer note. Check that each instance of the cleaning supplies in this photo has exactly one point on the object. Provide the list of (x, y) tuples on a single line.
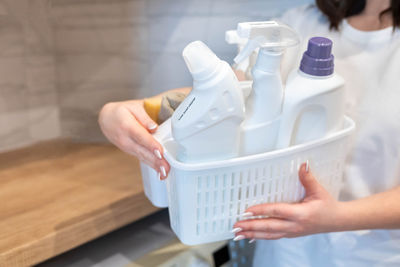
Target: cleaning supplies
[(206, 125), (170, 102), (232, 37), (152, 106), (314, 97), (264, 105)]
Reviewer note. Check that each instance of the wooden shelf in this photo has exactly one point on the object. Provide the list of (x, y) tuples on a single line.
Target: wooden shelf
[(57, 195)]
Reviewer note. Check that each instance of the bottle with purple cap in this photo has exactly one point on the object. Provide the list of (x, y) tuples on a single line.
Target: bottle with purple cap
[(314, 97)]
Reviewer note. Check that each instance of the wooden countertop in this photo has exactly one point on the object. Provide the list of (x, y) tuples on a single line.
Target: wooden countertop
[(57, 195)]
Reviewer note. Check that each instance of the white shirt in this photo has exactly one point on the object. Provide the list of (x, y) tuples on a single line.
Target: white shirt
[(370, 64)]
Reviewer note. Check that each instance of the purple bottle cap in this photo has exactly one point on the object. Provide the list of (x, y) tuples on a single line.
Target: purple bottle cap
[(318, 60)]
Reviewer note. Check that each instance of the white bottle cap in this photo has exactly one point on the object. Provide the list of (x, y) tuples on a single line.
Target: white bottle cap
[(200, 60)]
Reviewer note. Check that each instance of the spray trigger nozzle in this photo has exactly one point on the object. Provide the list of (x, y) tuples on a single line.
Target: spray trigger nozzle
[(270, 35)]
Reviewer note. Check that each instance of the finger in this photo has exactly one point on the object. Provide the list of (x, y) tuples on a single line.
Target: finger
[(259, 235), (277, 210), (143, 118), (141, 136), (271, 225), (141, 152), (164, 169), (308, 180), (161, 166)]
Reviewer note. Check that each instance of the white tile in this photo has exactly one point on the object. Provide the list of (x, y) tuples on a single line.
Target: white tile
[(172, 34), (167, 71), (254, 8), (86, 12), (42, 97), (179, 7), (14, 130), (217, 27), (11, 40), (38, 28), (82, 69), (80, 125), (12, 98), (94, 99), (40, 73), (44, 123), (95, 8), (128, 38), (3, 9), (12, 70)]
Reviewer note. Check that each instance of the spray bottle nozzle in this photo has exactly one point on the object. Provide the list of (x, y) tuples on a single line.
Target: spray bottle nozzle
[(270, 35)]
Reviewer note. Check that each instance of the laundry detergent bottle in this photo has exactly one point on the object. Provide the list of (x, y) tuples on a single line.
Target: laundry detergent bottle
[(314, 97), (206, 125)]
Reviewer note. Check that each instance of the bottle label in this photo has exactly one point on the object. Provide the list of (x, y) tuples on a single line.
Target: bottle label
[(187, 108)]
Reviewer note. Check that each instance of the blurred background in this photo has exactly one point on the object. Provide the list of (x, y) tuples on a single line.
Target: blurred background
[(60, 62)]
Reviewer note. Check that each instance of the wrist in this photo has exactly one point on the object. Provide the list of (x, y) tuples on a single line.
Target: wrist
[(340, 221), (348, 217)]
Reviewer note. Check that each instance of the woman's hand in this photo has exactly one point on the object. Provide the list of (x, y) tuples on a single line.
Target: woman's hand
[(127, 125), (316, 213)]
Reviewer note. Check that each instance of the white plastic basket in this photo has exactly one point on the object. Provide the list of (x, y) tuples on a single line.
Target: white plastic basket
[(206, 199), (154, 189)]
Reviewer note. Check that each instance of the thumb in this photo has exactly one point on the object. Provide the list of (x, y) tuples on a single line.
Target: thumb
[(308, 180)]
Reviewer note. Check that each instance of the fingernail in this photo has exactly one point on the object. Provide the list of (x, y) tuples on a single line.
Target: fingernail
[(252, 240), (239, 237), (307, 166), (157, 153), (159, 176), (247, 214), (236, 230), (152, 126), (164, 173)]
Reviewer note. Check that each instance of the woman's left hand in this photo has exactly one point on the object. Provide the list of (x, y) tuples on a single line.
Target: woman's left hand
[(316, 213)]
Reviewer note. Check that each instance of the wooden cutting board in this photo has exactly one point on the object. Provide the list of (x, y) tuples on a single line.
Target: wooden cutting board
[(57, 195)]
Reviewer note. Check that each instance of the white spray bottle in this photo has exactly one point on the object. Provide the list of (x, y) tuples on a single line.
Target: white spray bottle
[(264, 105), (232, 37), (206, 125)]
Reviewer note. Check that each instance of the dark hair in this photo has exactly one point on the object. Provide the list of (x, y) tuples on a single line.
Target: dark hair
[(337, 10)]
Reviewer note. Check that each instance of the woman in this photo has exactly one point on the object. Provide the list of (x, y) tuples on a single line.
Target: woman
[(366, 42)]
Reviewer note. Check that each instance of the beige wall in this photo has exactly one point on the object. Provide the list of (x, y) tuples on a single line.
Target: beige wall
[(28, 97), (61, 60)]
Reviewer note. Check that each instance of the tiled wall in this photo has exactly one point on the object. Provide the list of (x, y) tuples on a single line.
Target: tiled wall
[(61, 60), (28, 97)]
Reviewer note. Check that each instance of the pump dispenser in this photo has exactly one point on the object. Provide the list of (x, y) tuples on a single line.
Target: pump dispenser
[(206, 125), (264, 105)]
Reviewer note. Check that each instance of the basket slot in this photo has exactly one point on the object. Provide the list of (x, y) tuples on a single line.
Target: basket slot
[(242, 204)]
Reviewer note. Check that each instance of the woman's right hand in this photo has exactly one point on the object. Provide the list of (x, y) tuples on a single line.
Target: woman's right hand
[(127, 125)]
